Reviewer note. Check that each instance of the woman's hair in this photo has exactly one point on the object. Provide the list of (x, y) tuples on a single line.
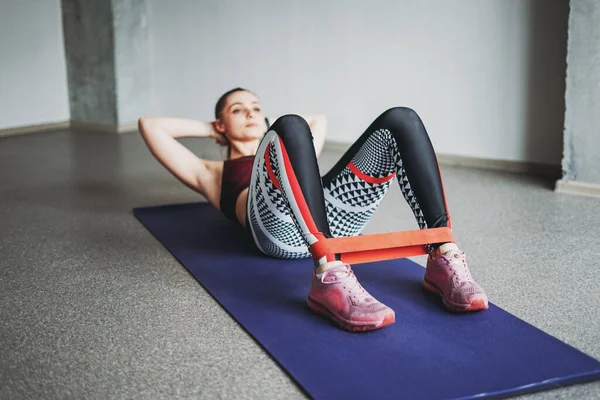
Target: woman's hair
[(223, 99), (219, 108)]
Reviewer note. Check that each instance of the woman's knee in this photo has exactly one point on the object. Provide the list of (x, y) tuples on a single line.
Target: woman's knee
[(294, 129), (402, 123), (399, 115), (290, 122)]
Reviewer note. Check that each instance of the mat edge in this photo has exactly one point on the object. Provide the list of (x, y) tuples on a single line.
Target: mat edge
[(546, 385)]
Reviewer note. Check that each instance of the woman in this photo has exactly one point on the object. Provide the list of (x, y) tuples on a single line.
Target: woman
[(270, 184)]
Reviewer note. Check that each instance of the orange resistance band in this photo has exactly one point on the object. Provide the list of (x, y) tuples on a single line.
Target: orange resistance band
[(383, 246)]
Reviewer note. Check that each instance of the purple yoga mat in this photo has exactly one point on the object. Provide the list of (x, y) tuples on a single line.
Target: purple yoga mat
[(427, 354)]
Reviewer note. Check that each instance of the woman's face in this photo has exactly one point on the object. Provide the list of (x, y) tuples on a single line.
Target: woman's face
[(242, 118)]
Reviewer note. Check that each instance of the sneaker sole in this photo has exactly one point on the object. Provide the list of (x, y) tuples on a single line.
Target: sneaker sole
[(476, 305), (321, 310)]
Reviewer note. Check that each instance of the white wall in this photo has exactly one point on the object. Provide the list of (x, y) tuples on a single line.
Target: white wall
[(33, 80), (487, 77)]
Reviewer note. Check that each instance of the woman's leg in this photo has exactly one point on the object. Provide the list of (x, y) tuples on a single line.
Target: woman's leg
[(286, 208), (397, 145), (287, 216)]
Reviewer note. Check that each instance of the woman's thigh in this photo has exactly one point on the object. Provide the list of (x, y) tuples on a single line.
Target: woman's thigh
[(356, 185), (270, 218)]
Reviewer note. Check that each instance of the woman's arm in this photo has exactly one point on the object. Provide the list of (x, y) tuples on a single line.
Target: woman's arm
[(160, 133), (181, 127), (318, 127)]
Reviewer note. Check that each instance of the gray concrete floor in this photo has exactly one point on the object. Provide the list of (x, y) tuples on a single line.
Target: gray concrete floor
[(92, 306)]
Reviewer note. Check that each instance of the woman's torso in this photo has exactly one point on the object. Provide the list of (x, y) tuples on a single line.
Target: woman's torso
[(235, 180)]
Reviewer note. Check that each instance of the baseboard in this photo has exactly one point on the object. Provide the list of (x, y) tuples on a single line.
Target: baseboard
[(64, 125), (526, 167), (103, 128), (552, 170), (577, 188), (21, 130)]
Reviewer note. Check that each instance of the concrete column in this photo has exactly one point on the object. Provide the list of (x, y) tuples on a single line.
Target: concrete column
[(581, 156), (108, 63)]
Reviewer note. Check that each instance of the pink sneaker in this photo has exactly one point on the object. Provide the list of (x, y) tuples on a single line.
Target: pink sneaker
[(339, 297), (449, 277)]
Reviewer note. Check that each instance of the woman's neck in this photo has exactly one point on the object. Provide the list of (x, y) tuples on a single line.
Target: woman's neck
[(242, 149)]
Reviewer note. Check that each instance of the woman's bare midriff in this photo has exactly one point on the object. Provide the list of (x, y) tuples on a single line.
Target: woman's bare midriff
[(240, 207)]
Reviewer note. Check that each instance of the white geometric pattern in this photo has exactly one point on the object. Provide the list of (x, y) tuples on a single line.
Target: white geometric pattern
[(273, 226), (350, 202)]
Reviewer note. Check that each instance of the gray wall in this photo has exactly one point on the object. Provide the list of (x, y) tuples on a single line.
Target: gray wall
[(33, 80), (487, 77), (582, 121)]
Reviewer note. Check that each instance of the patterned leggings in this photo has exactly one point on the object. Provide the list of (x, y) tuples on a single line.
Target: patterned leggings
[(290, 207)]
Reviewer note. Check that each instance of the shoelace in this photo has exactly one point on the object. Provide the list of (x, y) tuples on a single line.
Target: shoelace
[(458, 263), (344, 271)]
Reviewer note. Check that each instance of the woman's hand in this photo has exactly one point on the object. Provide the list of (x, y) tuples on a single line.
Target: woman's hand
[(219, 137), (318, 127)]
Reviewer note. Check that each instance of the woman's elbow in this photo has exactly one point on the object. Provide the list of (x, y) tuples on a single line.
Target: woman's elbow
[(141, 123), (145, 124)]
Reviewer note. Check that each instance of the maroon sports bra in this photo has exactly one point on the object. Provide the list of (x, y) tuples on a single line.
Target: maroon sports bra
[(236, 177)]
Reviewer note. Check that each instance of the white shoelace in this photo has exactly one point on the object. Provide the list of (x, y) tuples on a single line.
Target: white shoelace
[(346, 273), (458, 263)]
